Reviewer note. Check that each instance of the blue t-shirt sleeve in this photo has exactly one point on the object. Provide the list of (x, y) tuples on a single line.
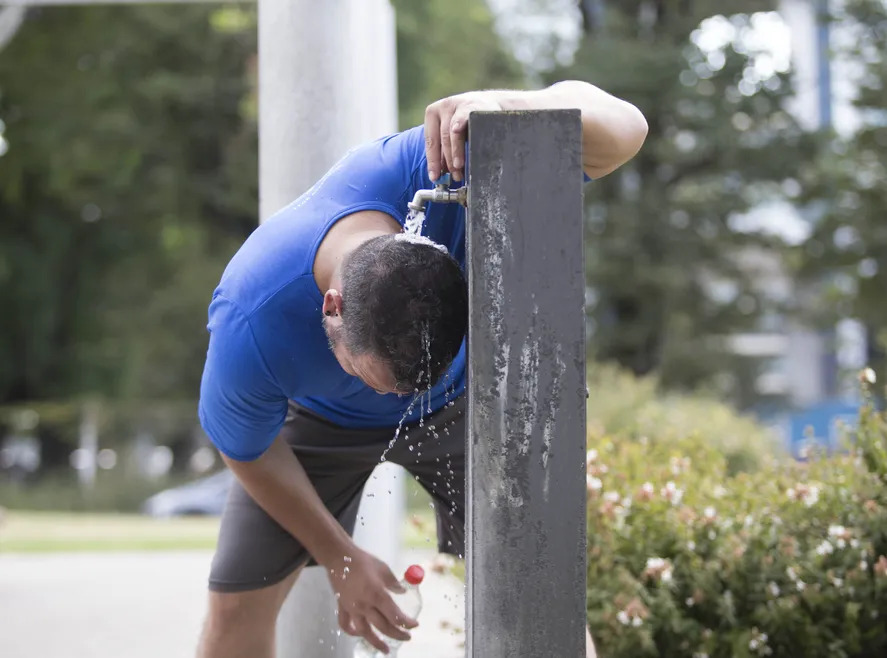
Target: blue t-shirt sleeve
[(241, 406)]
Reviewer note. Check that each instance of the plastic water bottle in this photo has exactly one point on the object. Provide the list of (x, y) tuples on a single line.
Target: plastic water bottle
[(410, 603)]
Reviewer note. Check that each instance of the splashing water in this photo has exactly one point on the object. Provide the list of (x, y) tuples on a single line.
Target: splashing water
[(403, 418), (414, 222)]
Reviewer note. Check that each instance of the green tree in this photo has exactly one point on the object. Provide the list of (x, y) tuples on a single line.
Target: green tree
[(445, 48), (125, 135), (667, 257)]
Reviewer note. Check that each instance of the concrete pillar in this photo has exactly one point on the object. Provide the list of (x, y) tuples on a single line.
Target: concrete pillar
[(526, 376), (327, 82)]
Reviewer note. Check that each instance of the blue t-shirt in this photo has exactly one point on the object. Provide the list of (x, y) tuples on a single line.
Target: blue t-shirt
[(267, 343)]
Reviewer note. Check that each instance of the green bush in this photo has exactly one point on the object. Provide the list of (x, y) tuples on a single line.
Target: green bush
[(620, 404), (686, 560)]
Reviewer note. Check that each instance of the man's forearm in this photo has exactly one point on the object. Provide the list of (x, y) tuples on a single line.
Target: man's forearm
[(613, 130), (281, 487)]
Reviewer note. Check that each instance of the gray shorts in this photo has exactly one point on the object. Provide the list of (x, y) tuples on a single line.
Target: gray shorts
[(254, 551)]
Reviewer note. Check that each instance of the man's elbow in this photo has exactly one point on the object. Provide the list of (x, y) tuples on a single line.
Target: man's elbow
[(624, 138), (634, 132)]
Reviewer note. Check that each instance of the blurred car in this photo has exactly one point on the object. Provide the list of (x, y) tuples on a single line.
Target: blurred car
[(205, 496)]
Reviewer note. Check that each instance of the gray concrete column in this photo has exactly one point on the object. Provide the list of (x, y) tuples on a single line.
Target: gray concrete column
[(526, 377), (327, 82)]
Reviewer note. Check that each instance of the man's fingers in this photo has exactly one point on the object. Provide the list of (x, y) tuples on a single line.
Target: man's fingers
[(445, 140), (393, 613), (363, 629), (345, 622), (391, 582), (377, 619), (458, 133), (432, 142)]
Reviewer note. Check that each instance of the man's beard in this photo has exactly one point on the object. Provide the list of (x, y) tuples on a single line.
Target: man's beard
[(334, 335)]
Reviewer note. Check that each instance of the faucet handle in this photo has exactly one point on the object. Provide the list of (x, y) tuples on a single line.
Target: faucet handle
[(443, 181)]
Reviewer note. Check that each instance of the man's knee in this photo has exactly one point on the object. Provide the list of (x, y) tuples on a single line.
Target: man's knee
[(230, 610), (244, 614)]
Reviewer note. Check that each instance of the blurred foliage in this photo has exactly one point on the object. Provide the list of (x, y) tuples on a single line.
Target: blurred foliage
[(621, 404), (844, 188), (669, 264), (686, 560), (446, 48), (124, 145)]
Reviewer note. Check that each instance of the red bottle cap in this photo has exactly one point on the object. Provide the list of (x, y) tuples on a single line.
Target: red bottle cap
[(414, 575)]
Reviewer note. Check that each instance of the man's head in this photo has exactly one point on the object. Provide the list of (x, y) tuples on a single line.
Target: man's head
[(402, 313)]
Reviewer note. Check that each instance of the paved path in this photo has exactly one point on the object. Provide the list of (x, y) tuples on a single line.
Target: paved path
[(141, 605)]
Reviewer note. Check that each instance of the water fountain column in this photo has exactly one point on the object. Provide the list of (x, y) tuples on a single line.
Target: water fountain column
[(526, 376)]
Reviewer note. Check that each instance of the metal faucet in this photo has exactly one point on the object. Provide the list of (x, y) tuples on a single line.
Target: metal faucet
[(440, 194)]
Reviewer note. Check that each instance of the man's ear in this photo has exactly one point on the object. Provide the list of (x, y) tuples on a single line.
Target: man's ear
[(332, 303)]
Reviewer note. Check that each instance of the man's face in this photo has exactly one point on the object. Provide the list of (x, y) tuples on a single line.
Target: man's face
[(370, 370)]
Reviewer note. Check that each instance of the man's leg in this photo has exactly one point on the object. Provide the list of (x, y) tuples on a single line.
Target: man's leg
[(242, 623)]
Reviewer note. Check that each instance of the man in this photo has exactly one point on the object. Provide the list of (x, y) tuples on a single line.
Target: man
[(323, 308)]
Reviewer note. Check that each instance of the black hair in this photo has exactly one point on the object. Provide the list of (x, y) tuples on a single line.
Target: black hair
[(404, 302)]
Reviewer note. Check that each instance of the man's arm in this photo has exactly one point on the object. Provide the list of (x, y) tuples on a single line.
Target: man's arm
[(281, 487), (613, 130)]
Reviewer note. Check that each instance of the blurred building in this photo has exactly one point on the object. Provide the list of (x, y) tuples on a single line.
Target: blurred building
[(807, 383)]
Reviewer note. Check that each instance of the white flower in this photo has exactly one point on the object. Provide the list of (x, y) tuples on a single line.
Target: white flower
[(841, 543), (801, 585), (709, 512), (719, 491), (774, 589), (658, 569), (753, 643), (837, 531), (691, 545), (636, 621), (622, 616), (647, 488), (593, 483), (748, 521), (712, 534), (626, 503), (863, 565), (590, 457), (690, 602), (854, 543), (672, 493), (790, 572), (790, 493), (869, 375), (655, 563), (825, 548), (811, 496), (611, 497), (837, 582)]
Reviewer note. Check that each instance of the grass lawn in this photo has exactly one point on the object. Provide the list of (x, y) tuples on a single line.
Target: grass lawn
[(70, 531)]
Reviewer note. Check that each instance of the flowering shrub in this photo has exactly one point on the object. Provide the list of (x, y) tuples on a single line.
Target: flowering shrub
[(685, 560)]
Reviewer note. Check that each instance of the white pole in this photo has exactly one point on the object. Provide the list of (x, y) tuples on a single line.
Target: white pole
[(327, 81)]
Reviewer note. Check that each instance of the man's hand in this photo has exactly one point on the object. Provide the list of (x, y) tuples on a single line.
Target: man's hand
[(361, 584), (446, 128), (612, 129)]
